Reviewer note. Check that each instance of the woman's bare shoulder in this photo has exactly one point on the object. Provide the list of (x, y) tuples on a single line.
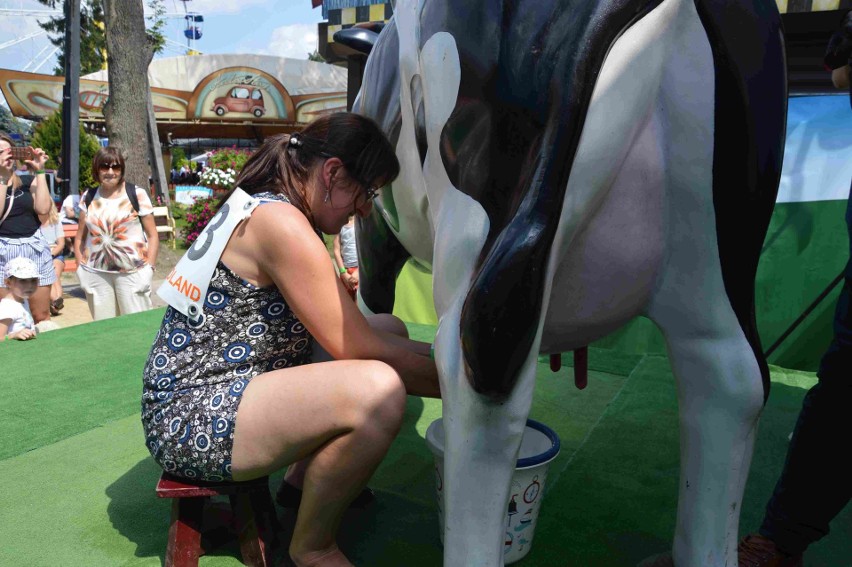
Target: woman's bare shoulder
[(278, 218), (275, 230)]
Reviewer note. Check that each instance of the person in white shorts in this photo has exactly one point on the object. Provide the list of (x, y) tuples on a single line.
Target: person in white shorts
[(117, 244)]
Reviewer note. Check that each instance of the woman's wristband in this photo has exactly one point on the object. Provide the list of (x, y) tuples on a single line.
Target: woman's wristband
[(342, 270), (40, 172)]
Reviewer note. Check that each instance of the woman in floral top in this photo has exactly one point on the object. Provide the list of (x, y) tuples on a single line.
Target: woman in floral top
[(116, 245)]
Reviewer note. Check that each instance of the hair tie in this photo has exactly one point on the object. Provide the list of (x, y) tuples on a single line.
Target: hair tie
[(295, 142)]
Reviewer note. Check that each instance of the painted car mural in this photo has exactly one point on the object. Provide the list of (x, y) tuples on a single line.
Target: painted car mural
[(240, 99)]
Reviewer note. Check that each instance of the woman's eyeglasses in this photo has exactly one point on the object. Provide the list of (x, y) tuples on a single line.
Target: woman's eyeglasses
[(108, 166), (372, 193)]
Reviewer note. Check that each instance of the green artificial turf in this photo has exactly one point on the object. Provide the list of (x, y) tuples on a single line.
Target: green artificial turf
[(79, 484), (70, 380)]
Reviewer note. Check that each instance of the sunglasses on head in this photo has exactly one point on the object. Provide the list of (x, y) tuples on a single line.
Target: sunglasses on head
[(108, 166)]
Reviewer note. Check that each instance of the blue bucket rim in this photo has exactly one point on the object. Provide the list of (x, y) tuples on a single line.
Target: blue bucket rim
[(526, 462), (548, 455)]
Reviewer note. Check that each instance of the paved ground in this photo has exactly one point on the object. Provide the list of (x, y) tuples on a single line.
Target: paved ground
[(76, 310)]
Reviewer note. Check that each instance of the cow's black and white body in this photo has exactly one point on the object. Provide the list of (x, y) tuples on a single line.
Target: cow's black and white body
[(566, 166)]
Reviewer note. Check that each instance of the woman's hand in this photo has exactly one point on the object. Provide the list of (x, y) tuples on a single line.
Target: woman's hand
[(350, 281), (39, 159)]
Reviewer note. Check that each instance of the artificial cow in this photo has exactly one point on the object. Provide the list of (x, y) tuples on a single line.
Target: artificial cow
[(568, 165)]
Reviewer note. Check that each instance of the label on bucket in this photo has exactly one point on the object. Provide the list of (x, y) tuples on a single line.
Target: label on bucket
[(525, 494)]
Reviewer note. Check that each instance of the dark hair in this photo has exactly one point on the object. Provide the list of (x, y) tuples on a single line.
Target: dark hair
[(109, 154), (284, 167), (16, 181)]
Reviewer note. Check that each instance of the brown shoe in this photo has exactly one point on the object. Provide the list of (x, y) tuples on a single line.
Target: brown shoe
[(757, 551), (660, 560)]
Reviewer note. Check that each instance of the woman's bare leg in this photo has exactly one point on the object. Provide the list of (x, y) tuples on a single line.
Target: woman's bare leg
[(56, 288), (40, 304), (295, 474), (343, 415)]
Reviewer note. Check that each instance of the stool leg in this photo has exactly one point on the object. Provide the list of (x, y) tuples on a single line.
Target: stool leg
[(184, 545), (257, 527)]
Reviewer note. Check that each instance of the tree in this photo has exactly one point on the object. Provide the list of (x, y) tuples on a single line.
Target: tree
[(92, 42), (48, 136), (11, 125), (93, 54), (315, 56), (129, 52), (178, 156)]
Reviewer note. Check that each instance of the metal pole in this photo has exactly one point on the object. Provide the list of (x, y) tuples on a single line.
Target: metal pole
[(71, 100)]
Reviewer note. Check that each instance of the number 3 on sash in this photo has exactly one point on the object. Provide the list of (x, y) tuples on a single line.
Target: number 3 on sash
[(195, 251)]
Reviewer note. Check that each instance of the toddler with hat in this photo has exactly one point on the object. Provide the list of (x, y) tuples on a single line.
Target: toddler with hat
[(16, 321)]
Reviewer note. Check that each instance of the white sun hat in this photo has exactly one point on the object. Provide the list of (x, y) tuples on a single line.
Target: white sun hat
[(21, 268)]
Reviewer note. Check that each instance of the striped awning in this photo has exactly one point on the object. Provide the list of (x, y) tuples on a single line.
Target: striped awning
[(794, 6)]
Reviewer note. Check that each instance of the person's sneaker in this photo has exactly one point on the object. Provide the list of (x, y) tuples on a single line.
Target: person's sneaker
[(289, 496), (757, 551)]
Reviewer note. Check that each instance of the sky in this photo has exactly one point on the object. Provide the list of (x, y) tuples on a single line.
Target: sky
[(286, 28)]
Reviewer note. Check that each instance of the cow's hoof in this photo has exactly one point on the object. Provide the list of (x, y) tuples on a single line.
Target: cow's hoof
[(659, 560)]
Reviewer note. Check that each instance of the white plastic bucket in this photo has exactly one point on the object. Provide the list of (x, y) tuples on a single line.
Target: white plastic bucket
[(539, 446)]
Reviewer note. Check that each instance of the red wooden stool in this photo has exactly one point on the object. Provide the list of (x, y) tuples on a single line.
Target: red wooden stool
[(252, 514)]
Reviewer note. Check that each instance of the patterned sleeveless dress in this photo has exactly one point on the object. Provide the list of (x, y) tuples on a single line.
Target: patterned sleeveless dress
[(198, 369)]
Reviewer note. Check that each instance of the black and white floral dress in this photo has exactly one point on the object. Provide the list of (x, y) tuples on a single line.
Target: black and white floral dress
[(197, 371)]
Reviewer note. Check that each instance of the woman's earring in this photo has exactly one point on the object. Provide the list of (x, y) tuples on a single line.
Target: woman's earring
[(327, 196)]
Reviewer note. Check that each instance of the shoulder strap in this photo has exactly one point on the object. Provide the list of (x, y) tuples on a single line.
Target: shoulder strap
[(90, 195), (9, 201), (130, 189)]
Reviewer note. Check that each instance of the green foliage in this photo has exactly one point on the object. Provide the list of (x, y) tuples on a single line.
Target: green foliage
[(48, 136), (197, 217), (315, 56), (92, 37), (178, 156), (156, 24), (178, 211), (11, 125), (229, 158)]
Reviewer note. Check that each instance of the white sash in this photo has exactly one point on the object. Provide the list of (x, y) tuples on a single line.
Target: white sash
[(186, 287)]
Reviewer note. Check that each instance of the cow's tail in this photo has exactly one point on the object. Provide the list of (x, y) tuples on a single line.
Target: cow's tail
[(750, 68)]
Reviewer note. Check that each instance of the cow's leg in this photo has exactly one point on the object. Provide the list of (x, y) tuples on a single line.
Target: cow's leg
[(719, 384), (720, 396)]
